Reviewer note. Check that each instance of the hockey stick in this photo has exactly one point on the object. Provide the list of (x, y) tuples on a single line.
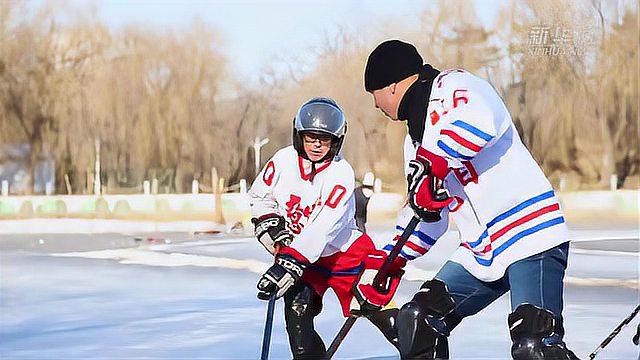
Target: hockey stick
[(268, 325), (615, 332), (266, 337), (344, 330), (377, 282)]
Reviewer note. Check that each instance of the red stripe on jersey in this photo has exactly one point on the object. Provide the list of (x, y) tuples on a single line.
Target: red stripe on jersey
[(518, 222), (477, 252), (524, 219), (416, 248), (460, 140)]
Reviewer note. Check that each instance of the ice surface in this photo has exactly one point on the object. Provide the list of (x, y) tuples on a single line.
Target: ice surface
[(110, 296)]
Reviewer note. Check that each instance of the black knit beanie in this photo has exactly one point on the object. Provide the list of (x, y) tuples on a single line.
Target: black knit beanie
[(390, 62)]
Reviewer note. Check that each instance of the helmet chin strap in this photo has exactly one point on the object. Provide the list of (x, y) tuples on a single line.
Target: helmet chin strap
[(324, 159), (312, 175)]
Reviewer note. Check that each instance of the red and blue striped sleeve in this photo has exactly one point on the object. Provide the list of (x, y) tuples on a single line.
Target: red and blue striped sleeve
[(465, 132), (423, 237)]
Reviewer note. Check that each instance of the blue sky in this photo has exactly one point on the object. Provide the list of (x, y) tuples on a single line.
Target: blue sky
[(269, 33), (256, 32)]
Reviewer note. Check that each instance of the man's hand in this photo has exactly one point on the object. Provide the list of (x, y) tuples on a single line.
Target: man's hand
[(427, 197), (280, 276), (271, 229), (373, 297)]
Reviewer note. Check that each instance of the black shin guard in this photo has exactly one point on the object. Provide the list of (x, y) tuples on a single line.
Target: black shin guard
[(530, 327), (417, 338), (385, 321), (302, 305), (422, 331)]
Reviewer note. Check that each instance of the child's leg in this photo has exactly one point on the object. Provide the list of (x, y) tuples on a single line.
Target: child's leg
[(302, 305)]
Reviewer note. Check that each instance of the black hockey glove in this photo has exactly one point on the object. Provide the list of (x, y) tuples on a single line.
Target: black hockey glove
[(280, 276), (427, 197), (271, 229)]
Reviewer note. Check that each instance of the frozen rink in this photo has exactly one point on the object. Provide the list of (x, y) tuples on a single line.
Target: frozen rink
[(182, 296)]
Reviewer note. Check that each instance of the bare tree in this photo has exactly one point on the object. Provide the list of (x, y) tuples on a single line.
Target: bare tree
[(163, 104)]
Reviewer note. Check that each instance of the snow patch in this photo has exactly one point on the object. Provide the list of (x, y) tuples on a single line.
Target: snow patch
[(100, 226), (152, 258), (137, 256), (603, 252), (578, 235)]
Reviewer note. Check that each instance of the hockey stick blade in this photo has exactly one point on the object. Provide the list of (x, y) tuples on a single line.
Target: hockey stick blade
[(380, 276)]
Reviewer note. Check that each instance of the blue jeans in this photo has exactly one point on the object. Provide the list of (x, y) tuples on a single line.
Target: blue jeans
[(536, 280)]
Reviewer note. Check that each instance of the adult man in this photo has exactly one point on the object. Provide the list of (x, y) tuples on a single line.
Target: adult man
[(303, 209), (512, 233)]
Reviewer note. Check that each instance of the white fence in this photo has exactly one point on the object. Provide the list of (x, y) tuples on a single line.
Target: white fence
[(235, 206)]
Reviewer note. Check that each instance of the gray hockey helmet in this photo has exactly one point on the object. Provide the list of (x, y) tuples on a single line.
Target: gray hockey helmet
[(323, 116)]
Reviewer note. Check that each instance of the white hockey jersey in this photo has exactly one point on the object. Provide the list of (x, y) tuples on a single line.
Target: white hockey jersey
[(504, 208), (320, 212)]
